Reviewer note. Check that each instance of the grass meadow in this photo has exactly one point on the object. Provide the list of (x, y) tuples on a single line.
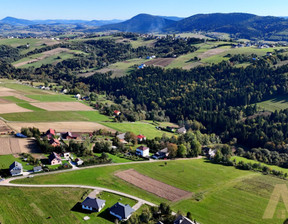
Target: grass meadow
[(278, 103), (221, 194)]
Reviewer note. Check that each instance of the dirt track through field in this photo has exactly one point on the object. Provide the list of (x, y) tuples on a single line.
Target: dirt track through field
[(63, 106), (153, 186)]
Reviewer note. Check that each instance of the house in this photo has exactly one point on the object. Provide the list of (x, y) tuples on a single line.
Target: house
[(66, 155), (121, 211), (117, 112), (93, 204), (69, 135), (54, 142), (181, 130), (163, 153), (79, 161), (16, 169), (211, 153), (54, 159), (141, 66), (142, 151), (50, 133), (78, 96), (37, 169), (183, 220), (122, 138), (141, 138), (269, 54)]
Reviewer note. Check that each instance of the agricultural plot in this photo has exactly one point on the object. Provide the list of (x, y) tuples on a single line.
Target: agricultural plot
[(153, 186), (223, 191), (9, 146), (61, 126), (162, 62), (12, 108), (4, 128), (11, 95), (62, 106)]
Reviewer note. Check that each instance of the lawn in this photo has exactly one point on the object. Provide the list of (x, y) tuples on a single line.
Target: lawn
[(278, 103), (52, 98), (7, 160), (222, 194), (115, 159), (137, 128), (24, 89)]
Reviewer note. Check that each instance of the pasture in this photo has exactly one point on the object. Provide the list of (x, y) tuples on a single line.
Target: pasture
[(278, 103), (221, 193)]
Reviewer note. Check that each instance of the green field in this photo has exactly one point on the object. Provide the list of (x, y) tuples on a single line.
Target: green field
[(278, 103), (30, 107), (52, 98), (7, 160), (221, 194), (137, 128), (35, 205), (24, 89), (54, 116), (13, 99)]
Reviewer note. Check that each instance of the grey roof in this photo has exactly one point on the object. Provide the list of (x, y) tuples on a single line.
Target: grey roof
[(93, 202), (182, 220), (37, 168), (121, 136), (122, 210), (181, 130), (54, 155), (15, 165)]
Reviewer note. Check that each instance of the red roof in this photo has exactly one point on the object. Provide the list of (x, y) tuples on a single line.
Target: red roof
[(116, 111), (51, 131), (141, 136)]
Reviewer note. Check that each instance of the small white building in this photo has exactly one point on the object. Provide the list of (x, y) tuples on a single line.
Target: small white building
[(93, 204), (142, 151), (66, 155)]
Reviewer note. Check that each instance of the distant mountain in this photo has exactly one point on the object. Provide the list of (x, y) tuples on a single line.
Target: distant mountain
[(142, 23), (174, 18), (16, 22), (239, 24)]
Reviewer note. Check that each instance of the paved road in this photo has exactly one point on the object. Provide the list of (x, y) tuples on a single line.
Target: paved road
[(136, 206)]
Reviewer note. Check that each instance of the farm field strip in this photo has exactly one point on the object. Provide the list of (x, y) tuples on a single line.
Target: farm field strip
[(63, 106)]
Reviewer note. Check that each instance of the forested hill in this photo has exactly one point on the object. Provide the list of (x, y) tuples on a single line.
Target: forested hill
[(241, 25), (142, 23)]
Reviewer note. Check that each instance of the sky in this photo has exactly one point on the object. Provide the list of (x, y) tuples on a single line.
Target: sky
[(125, 9)]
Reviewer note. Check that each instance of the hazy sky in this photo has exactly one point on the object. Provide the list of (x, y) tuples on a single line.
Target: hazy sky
[(125, 9)]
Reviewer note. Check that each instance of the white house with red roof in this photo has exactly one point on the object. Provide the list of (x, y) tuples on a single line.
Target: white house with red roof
[(141, 138), (142, 151), (117, 112)]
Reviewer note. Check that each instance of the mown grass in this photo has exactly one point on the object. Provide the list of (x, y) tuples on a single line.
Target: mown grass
[(137, 128), (277, 103), (30, 107), (7, 160), (54, 116), (221, 194), (52, 98), (24, 89)]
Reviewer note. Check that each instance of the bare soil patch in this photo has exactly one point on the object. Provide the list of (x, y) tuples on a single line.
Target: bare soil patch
[(162, 62), (4, 128), (11, 92), (3, 101), (12, 108), (9, 146), (28, 146), (44, 55), (61, 126), (153, 186), (63, 106)]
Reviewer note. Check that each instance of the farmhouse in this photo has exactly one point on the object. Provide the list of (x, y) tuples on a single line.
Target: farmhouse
[(181, 130), (163, 153), (69, 135), (121, 211), (117, 112), (50, 133), (54, 142), (93, 204), (141, 138), (183, 220), (142, 151), (122, 138), (16, 169), (54, 159), (37, 169), (79, 161)]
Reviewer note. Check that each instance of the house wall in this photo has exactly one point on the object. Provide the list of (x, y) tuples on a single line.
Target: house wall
[(119, 217), (55, 162)]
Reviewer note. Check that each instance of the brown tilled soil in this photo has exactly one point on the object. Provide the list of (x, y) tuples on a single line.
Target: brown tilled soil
[(212, 52), (28, 146), (153, 186), (9, 146), (63, 106), (163, 62), (12, 108), (11, 92), (73, 126), (4, 128)]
